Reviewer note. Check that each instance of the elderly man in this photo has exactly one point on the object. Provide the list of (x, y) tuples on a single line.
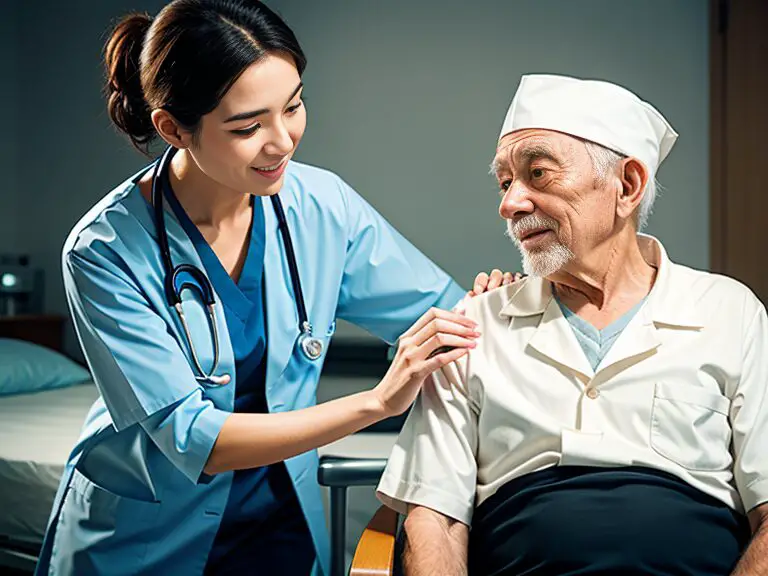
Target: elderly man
[(613, 418)]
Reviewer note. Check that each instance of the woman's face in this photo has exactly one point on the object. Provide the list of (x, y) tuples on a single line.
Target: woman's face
[(246, 141)]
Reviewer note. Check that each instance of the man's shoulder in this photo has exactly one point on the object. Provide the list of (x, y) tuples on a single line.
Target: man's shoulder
[(486, 309), (710, 291)]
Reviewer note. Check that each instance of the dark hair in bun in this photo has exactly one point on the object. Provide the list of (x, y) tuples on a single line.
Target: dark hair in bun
[(185, 59)]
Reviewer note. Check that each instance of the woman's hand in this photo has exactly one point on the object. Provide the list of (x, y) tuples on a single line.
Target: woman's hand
[(438, 338), (486, 283)]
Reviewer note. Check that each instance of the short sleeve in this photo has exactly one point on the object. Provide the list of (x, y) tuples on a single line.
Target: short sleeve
[(186, 433), (387, 282), (749, 416), (433, 463)]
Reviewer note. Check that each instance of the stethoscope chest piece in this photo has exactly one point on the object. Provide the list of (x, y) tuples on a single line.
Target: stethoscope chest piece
[(311, 346)]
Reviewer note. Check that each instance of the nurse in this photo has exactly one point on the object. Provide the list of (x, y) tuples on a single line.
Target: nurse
[(199, 457)]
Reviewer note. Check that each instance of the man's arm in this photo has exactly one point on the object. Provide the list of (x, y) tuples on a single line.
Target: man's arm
[(434, 544), (749, 423), (755, 559), (431, 474)]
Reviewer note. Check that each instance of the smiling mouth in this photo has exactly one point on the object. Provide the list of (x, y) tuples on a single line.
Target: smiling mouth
[(270, 168)]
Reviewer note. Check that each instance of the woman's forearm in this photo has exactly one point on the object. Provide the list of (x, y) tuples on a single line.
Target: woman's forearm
[(254, 440)]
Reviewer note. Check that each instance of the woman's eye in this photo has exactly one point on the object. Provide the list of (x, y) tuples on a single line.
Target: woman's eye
[(247, 131), (293, 108)]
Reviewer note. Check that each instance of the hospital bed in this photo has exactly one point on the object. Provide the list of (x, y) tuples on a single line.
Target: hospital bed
[(38, 430)]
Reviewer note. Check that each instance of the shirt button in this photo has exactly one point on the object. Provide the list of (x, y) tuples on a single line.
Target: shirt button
[(593, 393)]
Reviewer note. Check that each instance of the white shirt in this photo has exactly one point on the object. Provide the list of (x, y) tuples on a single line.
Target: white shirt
[(683, 389)]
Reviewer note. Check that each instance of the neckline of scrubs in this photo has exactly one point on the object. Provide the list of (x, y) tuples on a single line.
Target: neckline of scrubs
[(239, 297)]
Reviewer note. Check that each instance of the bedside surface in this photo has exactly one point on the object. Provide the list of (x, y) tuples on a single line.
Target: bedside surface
[(43, 329)]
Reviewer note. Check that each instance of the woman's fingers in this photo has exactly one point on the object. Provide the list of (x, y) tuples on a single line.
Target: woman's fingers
[(441, 343), (433, 314), (495, 279), (456, 324), (481, 283), (486, 283), (439, 337), (437, 361)]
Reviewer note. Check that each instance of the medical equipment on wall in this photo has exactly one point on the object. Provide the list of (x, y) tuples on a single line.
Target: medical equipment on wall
[(21, 286)]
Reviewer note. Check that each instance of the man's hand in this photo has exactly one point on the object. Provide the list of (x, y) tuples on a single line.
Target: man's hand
[(486, 283), (754, 562), (434, 544)]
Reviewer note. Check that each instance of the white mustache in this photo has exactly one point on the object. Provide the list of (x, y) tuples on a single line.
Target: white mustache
[(526, 224)]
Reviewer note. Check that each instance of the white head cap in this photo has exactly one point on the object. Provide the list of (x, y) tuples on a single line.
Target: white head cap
[(601, 112)]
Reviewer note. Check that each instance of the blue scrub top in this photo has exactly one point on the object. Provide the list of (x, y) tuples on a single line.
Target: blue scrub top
[(263, 523), (146, 505)]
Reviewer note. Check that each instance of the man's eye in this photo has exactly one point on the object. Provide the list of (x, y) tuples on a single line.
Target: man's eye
[(537, 172), (505, 184)]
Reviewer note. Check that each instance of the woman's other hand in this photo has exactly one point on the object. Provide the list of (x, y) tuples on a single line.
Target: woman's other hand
[(438, 338), (485, 282)]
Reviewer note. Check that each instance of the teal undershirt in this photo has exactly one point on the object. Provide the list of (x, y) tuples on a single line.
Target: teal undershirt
[(594, 342)]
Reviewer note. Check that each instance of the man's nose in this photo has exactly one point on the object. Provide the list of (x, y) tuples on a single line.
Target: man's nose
[(516, 202)]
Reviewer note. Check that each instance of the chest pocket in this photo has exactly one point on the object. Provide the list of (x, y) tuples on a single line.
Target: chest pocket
[(689, 425)]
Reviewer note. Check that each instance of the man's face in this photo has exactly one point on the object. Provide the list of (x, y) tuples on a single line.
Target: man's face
[(555, 207)]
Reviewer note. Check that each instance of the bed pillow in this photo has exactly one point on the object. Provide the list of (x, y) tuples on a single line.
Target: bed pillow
[(27, 367)]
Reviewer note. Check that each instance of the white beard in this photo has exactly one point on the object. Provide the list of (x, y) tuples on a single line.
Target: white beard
[(541, 262), (547, 261)]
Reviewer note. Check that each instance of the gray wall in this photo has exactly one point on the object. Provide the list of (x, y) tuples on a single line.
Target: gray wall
[(10, 241), (405, 101), (78, 157)]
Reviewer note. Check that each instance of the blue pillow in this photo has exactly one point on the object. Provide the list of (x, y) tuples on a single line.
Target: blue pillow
[(27, 367)]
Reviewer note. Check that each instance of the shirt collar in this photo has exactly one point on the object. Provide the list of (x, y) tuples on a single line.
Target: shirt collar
[(668, 303)]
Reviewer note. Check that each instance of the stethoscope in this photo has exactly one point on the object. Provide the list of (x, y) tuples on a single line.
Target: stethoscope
[(311, 346)]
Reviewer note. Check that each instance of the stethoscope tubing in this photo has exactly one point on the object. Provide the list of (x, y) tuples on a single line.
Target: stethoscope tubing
[(311, 347)]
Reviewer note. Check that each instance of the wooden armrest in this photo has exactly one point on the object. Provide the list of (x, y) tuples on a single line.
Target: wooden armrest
[(375, 553)]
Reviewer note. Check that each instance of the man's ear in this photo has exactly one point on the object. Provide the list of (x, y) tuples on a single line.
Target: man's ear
[(633, 176), (170, 129)]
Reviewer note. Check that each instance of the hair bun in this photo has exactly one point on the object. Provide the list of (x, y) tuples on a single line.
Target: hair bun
[(125, 97)]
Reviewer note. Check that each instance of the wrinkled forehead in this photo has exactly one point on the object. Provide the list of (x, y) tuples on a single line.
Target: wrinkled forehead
[(523, 146)]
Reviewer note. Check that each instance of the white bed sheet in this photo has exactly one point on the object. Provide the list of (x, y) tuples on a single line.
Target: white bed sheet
[(38, 431)]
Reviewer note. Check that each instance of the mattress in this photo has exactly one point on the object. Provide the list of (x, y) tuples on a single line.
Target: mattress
[(38, 431)]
